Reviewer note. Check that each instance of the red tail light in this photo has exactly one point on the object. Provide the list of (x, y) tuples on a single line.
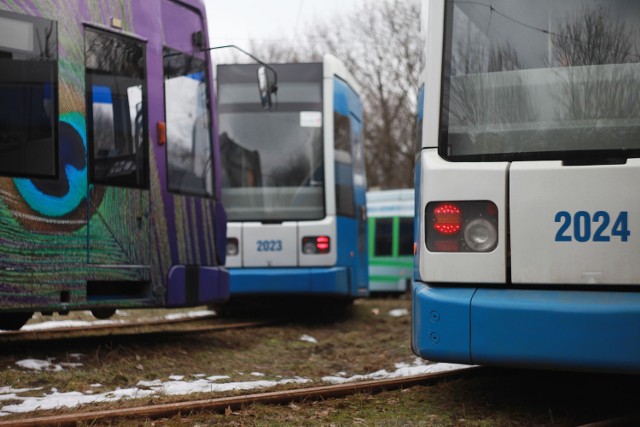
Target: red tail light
[(312, 245), (461, 226), (447, 219)]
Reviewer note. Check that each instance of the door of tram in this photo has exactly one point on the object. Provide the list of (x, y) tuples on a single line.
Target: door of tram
[(118, 193)]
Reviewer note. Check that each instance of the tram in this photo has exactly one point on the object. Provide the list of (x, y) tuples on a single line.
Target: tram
[(109, 168), (528, 231), (293, 183)]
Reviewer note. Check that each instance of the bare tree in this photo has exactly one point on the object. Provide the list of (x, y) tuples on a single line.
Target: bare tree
[(379, 42), (594, 46)]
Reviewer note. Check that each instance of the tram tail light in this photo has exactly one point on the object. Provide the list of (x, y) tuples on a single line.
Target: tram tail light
[(312, 245), (461, 226)]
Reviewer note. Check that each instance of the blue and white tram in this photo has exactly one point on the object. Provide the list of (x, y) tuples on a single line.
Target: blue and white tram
[(294, 182), (528, 218)]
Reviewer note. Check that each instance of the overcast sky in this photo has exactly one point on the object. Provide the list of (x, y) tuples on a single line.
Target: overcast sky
[(239, 21)]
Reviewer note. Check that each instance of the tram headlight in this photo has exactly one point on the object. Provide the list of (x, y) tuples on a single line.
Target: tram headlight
[(232, 246), (480, 235)]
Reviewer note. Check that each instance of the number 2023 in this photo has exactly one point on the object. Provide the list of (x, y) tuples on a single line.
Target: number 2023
[(591, 228)]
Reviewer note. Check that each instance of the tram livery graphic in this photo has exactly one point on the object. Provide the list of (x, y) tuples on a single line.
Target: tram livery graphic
[(294, 183), (528, 217), (108, 189)]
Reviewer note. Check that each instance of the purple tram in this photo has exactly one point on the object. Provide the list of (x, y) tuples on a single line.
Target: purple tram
[(109, 183)]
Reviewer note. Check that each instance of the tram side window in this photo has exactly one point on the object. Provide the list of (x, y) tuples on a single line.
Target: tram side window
[(383, 245), (116, 113), (345, 200), (405, 240), (189, 153), (28, 95)]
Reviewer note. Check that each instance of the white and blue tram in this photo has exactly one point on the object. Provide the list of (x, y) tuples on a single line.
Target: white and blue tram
[(294, 183), (528, 218)]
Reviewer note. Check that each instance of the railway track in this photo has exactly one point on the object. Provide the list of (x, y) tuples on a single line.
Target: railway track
[(235, 402), (155, 326)]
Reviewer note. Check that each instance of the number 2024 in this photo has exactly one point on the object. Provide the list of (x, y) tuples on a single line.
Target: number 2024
[(594, 228)]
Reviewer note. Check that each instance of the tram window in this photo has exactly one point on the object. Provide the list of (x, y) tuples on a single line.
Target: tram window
[(383, 237), (345, 200), (29, 93), (189, 154), (116, 117), (405, 239)]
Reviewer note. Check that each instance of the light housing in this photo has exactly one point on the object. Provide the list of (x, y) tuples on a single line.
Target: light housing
[(461, 226), (315, 245), (232, 246)]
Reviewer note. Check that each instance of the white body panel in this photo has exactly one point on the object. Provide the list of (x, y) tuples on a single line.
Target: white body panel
[(446, 181), (386, 203), (539, 190), (269, 245), (433, 15)]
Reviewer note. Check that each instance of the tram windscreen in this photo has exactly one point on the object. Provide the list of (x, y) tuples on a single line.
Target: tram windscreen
[(540, 79), (272, 160)]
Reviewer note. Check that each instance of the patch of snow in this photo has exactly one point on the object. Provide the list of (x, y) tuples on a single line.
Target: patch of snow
[(189, 314), (218, 377), (257, 374), (403, 371), (176, 377), (308, 338), (96, 385), (39, 365), (399, 312), (55, 399), (56, 324)]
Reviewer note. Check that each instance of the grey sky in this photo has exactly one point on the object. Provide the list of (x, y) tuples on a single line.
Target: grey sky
[(239, 21)]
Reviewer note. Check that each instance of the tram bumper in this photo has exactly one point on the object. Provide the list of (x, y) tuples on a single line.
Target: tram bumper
[(189, 286), (318, 280), (547, 329)]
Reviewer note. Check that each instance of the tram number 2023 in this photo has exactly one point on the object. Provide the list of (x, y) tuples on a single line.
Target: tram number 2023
[(269, 245), (584, 227)]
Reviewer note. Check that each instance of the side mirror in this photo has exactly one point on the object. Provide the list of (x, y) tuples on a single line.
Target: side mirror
[(264, 86)]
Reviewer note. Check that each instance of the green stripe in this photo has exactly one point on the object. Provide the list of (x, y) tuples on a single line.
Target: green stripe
[(389, 279), (391, 262)]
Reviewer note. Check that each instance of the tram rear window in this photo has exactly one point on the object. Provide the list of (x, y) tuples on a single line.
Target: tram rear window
[(28, 94)]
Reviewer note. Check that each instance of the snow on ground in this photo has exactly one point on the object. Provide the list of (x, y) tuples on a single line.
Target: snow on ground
[(419, 367), (29, 401), (56, 324), (308, 338), (55, 399), (190, 314), (399, 312), (68, 323), (46, 365)]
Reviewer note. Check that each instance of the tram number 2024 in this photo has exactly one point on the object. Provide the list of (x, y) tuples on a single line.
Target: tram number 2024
[(269, 245), (586, 227)]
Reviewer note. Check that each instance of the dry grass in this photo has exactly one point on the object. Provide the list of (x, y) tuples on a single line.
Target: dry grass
[(365, 340)]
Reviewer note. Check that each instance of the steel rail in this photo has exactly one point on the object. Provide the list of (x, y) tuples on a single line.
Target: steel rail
[(236, 402)]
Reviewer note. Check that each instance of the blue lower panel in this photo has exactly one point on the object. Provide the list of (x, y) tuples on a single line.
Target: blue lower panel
[(569, 330), (578, 330), (441, 323), (197, 285), (328, 281)]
